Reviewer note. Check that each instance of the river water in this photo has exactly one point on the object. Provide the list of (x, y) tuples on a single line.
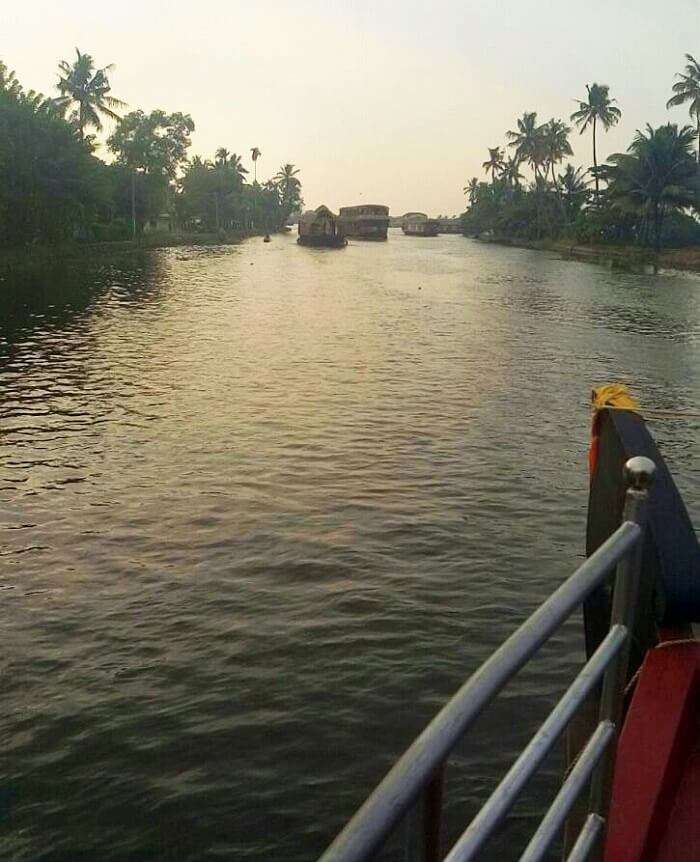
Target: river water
[(265, 507)]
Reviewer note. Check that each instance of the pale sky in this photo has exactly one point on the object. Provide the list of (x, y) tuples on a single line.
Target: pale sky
[(377, 102)]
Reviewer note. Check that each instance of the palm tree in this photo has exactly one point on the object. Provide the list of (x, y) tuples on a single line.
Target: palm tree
[(471, 190), (289, 187), (657, 174), (511, 172), (572, 184), (235, 163), (572, 181), (286, 177), (197, 163), (222, 182), (528, 142), (555, 142), (9, 83), (288, 184), (555, 138), (89, 89), (494, 163), (255, 155), (598, 108), (687, 89)]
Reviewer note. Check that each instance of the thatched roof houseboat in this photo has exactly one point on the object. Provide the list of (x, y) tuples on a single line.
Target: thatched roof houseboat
[(321, 227)]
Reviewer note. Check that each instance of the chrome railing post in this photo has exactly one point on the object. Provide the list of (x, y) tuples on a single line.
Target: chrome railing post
[(639, 475)]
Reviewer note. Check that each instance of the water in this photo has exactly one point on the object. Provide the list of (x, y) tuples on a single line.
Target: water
[(267, 506)]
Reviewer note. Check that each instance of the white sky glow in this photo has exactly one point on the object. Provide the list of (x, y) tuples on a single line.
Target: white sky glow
[(382, 102)]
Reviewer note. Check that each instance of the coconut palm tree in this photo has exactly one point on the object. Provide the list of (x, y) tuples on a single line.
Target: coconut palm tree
[(88, 88), (555, 139), (494, 163), (286, 178), (572, 184), (197, 163), (555, 142), (221, 156), (289, 188), (9, 84), (511, 172), (255, 155), (687, 89), (657, 174), (235, 163), (573, 181), (597, 108), (527, 141), (471, 190)]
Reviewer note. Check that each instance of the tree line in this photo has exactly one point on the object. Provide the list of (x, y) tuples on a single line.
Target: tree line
[(649, 195), (54, 188)]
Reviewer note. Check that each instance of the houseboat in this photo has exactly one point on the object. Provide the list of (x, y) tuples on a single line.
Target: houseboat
[(418, 224), (630, 791), (321, 227), (368, 221), (450, 225)]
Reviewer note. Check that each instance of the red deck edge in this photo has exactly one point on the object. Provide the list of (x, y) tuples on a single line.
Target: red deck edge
[(655, 750)]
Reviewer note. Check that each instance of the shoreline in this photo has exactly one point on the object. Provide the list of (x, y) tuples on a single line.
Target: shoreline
[(625, 257), (29, 260)]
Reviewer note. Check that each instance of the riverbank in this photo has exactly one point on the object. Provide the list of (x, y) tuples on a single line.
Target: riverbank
[(625, 257), (34, 259)]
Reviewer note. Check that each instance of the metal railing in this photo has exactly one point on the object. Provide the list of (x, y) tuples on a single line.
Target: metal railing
[(421, 768)]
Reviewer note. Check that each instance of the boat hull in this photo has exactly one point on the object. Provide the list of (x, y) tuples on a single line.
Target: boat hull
[(368, 236), (421, 227), (323, 241), (654, 807), (426, 232)]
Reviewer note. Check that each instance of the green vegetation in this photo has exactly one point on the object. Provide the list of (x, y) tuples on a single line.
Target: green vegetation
[(87, 89), (687, 89), (54, 189), (647, 196)]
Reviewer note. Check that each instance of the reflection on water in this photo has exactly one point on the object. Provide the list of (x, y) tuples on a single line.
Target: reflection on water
[(267, 506)]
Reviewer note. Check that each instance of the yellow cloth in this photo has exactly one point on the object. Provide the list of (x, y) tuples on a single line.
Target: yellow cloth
[(613, 395)]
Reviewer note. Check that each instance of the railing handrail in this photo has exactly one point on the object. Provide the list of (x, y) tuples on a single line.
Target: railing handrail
[(506, 794), (402, 784), (392, 798)]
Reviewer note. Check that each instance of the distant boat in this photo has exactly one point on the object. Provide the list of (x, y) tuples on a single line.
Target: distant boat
[(321, 227), (418, 224), (367, 221), (450, 225)]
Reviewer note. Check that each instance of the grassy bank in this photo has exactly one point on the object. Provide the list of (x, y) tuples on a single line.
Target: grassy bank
[(625, 257)]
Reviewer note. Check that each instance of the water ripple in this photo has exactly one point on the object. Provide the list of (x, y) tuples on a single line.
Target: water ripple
[(264, 509)]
